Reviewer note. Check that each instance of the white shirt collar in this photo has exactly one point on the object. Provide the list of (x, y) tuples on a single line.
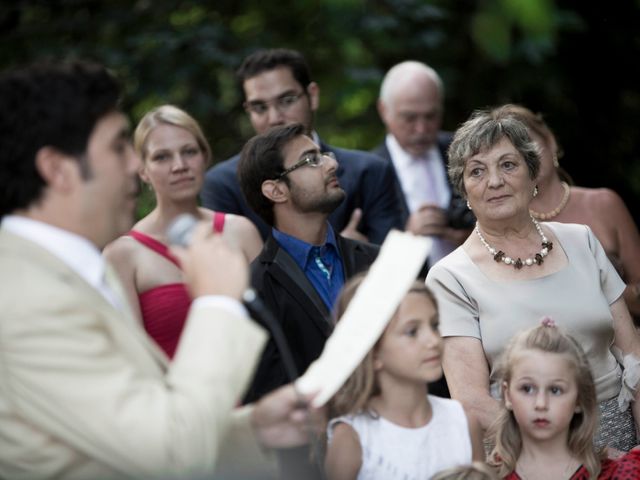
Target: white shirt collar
[(401, 157), (77, 252)]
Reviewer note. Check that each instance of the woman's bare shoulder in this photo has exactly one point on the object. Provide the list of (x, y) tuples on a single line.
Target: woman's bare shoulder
[(600, 198), (123, 247), (601, 205), (239, 222)]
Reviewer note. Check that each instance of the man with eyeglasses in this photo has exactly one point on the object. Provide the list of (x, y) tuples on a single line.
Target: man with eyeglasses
[(279, 91), (304, 263)]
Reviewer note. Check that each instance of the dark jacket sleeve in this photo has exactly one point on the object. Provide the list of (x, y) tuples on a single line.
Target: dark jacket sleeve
[(220, 190), (270, 372), (381, 202)]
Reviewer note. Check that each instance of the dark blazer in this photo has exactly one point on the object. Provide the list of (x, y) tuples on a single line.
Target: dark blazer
[(458, 213), (367, 180), (303, 316)]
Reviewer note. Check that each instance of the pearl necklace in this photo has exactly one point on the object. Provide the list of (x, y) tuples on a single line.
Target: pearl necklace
[(558, 209), (499, 255)]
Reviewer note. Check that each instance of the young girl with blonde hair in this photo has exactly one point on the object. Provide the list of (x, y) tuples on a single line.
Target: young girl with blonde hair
[(385, 425), (549, 413)]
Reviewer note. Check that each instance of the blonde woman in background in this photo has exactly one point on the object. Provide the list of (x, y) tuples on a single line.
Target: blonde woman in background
[(175, 156)]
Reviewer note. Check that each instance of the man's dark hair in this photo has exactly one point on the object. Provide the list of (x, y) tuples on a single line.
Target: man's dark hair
[(262, 159), (47, 104), (265, 60)]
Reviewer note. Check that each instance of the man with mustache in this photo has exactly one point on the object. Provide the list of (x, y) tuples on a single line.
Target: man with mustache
[(293, 186), (411, 106)]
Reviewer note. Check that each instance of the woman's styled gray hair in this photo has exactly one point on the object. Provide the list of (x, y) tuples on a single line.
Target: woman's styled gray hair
[(483, 130)]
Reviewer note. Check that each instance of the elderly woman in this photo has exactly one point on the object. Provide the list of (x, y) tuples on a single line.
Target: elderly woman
[(600, 208), (175, 155), (512, 271)]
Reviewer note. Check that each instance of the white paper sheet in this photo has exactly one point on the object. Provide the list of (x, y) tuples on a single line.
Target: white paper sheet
[(390, 277)]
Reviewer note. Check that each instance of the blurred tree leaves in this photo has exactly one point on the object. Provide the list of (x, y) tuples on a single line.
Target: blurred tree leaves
[(572, 60)]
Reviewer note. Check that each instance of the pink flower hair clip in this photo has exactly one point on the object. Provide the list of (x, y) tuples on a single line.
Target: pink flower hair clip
[(548, 322)]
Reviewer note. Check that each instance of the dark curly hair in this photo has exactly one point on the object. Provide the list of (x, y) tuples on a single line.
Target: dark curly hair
[(262, 159), (47, 104), (265, 60)]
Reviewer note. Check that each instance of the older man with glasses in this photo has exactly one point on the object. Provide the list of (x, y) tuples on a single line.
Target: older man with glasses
[(279, 91)]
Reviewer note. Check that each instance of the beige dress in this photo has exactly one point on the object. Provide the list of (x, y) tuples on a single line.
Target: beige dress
[(577, 298)]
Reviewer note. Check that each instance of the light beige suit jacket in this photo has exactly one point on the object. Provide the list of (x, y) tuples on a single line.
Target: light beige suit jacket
[(84, 393)]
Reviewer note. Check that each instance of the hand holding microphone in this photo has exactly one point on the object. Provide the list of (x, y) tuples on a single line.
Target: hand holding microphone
[(210, 265), (193, 242)]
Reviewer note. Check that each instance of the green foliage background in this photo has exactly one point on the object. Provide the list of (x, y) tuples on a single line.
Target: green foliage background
[(574, 61)]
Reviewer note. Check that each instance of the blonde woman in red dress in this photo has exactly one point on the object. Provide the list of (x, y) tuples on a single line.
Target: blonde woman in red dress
[(175, 156)]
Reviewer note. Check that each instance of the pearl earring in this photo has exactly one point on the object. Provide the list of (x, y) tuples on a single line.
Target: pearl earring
[(556, 163), (469, 205), (535, 191)]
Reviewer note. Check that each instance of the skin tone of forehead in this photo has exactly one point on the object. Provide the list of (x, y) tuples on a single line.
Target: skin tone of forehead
[(413, 85)]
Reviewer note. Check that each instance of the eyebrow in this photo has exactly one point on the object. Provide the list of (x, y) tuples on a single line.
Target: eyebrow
[(307, 152), (506, 154), (283, 94)]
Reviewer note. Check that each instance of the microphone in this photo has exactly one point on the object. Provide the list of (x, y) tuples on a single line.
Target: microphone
[(180, 232), (254, 303)]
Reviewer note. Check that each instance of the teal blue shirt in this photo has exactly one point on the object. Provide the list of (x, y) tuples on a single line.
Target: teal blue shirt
[(322, 264)]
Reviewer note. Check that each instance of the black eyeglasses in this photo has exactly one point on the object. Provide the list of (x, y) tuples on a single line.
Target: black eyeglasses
[(312, 159), (282, 104)]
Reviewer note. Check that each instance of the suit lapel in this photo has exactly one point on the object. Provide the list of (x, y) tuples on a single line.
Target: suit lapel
[(383, 152), (354, 259), (122, 326), (287, 272)]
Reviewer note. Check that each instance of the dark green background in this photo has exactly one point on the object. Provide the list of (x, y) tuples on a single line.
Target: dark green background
[(575, 61)]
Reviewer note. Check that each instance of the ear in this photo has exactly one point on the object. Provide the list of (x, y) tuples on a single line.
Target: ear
[(507, 396), (382, 110), (313, 90), (276, 191), (56, 168), (142, 173)]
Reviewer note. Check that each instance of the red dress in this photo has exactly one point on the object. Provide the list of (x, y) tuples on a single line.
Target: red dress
[(164, 308), (626, 467)]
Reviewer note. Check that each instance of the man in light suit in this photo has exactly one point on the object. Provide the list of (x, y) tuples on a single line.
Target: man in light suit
[(84, 393), (279, 91), (411, 107)]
